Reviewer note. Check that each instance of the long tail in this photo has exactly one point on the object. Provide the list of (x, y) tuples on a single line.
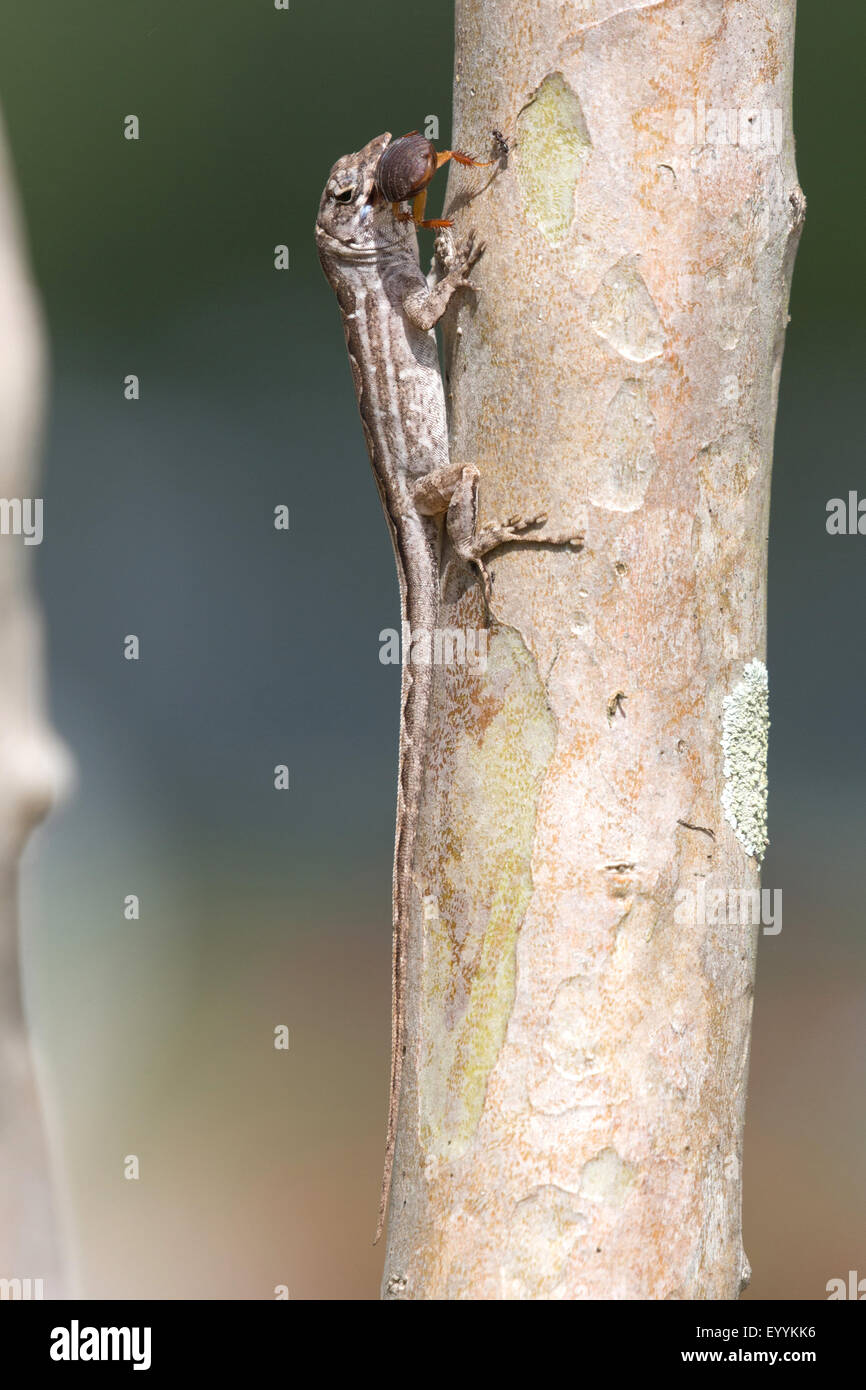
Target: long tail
[(416, 688)]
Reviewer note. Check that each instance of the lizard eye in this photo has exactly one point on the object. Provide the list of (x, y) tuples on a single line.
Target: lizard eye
[(345, 195)]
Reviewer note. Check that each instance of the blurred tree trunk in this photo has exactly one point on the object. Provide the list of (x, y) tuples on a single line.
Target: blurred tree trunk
[(31, 763), (572, 1116)]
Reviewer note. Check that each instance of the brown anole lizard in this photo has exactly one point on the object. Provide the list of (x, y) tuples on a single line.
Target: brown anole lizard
[(389, 309)]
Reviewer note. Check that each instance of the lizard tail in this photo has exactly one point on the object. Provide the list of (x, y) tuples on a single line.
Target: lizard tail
[(416, 690)]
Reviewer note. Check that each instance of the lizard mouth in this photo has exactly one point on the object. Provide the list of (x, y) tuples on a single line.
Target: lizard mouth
[(371, 238), (365, 250)]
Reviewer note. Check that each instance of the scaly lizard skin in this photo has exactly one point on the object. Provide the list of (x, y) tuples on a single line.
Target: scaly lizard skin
[(389, 312)]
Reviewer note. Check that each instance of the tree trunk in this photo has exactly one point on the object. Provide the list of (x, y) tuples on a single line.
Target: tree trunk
[(579, 1002), (32, 765)]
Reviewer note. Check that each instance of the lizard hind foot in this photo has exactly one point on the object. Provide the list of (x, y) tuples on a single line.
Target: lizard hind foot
[(514, 529)]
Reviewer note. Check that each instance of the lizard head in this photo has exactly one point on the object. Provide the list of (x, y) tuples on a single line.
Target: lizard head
[(354, 220)]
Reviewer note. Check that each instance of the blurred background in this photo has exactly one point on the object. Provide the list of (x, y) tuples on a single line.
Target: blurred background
[(259, 647)]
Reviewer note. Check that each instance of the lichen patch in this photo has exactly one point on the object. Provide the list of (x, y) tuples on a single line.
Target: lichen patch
[(553, 146), (745, 730), (498, 755)]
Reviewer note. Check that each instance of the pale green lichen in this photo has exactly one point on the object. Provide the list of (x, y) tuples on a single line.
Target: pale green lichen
[(745, 729), (468, 985), (553, 145)]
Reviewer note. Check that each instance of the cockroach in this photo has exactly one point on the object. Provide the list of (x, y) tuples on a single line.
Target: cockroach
[(405, 169)]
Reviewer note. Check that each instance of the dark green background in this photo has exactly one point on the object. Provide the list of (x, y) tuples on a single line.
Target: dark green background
[(156, 258)]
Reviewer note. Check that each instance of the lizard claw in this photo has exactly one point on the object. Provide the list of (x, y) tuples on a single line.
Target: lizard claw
[(525, 523)]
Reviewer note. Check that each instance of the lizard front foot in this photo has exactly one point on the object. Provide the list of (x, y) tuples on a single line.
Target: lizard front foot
[(426, 306), (458, 259), (515, 528)]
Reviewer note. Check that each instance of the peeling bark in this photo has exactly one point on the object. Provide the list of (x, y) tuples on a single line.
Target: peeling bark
[(571, 1123), (32, 766)]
